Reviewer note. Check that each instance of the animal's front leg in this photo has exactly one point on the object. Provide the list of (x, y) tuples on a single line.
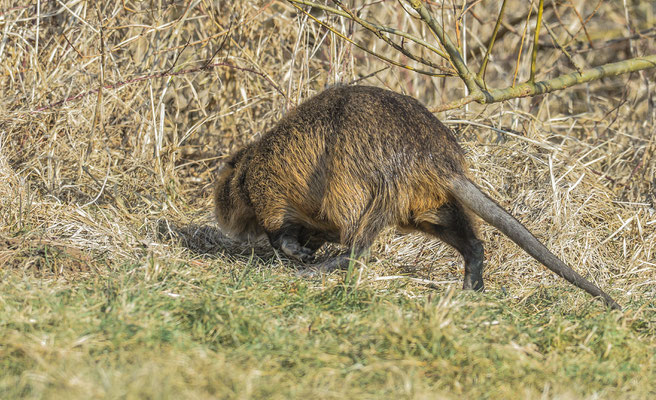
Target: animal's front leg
[(286, 240)]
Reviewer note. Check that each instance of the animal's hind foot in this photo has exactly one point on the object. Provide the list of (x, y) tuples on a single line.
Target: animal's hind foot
[(473, 283)]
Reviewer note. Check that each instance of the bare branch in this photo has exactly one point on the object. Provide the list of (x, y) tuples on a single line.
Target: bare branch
[(561, 82), (562, 49), (359, 46), (583, 23), (158, 75), (481, 71), (521, 44), (379, 27), (473, 83), (370, 27), (478, 90), (534, 56)]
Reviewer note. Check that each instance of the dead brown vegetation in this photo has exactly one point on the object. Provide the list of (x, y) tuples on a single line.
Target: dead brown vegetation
[(98, 159)]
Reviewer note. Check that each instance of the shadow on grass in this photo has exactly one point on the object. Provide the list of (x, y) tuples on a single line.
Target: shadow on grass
[(208, 241), (205, 240)]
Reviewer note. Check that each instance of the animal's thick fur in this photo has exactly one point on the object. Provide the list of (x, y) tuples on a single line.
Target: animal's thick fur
[(352, 161)]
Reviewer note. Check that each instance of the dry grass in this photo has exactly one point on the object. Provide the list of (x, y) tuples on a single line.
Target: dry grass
[(108, 182)]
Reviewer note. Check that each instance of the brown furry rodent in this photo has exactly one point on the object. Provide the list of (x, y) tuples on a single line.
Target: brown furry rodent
[(352, 161)]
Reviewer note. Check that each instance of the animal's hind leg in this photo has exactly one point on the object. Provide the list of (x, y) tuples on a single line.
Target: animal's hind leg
[(358, 238), (452, 224)]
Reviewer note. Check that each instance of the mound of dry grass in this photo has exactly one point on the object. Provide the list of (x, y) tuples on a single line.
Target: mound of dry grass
[(105, 171)]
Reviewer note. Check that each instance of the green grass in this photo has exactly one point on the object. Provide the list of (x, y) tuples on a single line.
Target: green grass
[(251, 330)]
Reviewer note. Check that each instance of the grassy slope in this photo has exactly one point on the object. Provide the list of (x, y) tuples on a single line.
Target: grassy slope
[(246, 328)]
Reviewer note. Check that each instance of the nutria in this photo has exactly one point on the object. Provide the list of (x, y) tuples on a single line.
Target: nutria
[(352, 161)]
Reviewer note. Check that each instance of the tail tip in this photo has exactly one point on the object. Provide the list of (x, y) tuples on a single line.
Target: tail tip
[(612, 304)]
